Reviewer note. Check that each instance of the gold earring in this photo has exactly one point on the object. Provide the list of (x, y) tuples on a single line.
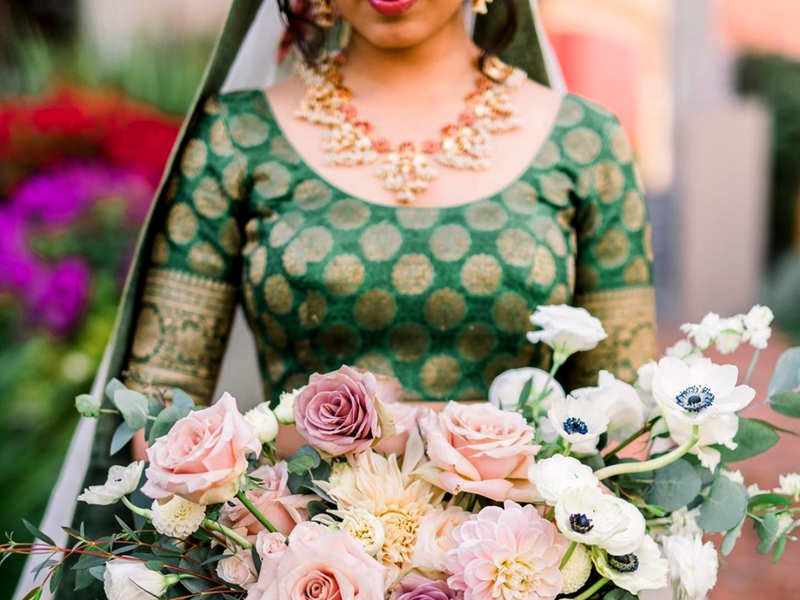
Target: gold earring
[(322, 12), (480, 6)]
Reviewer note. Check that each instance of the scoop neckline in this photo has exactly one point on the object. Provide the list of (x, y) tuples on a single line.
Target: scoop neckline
[(529, 165)]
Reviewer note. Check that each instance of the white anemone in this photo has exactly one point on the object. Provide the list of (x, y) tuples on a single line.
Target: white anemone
[(642, 569), (580, 419), (696, 391), (588, 516), (720, 429), (120, 482)]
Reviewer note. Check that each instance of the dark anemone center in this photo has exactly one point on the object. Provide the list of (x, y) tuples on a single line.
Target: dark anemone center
[(580, 523), (627, 563), (575, 425), (695, 398)]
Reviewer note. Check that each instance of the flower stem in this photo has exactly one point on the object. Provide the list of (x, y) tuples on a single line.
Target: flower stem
[(568, 555), (588, 593), (628, 441), (256, 513), (653, 464), (142, 512), (229, 533), (752, 367)]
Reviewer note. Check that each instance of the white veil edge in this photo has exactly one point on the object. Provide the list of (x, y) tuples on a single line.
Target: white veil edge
[(255, 66)]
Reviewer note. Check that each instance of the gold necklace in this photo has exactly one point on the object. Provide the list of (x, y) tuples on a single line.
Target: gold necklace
[(405, 169)]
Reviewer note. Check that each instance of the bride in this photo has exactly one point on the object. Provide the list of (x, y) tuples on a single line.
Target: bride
[(395, 185)]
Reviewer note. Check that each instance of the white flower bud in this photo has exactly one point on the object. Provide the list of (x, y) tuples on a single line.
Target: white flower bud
[(577, 570), (177, 517), (285, 409), (263, 421), (555, 475)]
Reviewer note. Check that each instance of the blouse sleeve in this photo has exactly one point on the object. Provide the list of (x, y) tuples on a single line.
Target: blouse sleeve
[(187, 303), (614, 260)]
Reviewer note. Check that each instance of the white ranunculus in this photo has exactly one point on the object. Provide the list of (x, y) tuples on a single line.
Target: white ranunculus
[(692, 565), (580, 419), (642, 569), (177, 517), (506, 388), (681, 349), (705, 332), (731, 334), (435, 537), (696, 391), (264, 422), (577, 570), (757, 324), (120, 482), (553, 476), (622, 404), (719, 429), (566, 329), (789, 485), (590, 517), (284, 412), (125, 579)]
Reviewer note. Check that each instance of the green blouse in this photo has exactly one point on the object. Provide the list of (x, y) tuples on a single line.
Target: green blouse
[(437, 297)]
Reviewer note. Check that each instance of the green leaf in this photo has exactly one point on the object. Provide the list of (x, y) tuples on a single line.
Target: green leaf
[(181, 399), (133, 406), (55, 579), (724, 507), (768, 500), (730, 539), (165, 420), (112, 387), (767, 530), (752, 438), (786, 377), (525, 392), (34, 594), (674, 486), (122, 436), (37, 533), (97, 572), (780, 546), (305, 459), (786, 403)]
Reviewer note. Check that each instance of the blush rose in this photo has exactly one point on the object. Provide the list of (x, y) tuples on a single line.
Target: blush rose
[(202, 457)]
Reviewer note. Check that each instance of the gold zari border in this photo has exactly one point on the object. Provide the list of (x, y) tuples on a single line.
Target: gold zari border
[(629, 317), (181, 332)]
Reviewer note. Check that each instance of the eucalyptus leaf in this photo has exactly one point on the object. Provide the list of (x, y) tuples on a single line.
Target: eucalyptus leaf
[(97, 572), (786, 403), (37, 533), (752, 438), (122, 436), (725, 506), (780, 546), (133, 406), (305, 459), (112, 387), (181, 399), (165, 420), (674, 486), (786, 377), (730, 539), (767, 530), (525, 393)]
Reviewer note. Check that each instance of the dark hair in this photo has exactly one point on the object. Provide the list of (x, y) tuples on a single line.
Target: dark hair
[(310, 38)]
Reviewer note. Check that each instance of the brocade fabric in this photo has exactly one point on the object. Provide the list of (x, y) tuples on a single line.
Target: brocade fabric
[(437, 297)]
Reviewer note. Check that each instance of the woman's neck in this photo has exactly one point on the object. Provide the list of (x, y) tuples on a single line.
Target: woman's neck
[(429, 67)]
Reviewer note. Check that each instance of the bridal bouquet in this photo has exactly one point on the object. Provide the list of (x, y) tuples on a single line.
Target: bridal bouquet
[(614, 492)]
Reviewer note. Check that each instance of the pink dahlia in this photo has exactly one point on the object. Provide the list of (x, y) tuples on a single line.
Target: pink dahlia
[(508, 553)]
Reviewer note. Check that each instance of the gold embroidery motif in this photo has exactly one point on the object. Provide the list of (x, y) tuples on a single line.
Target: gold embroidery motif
[(628, 316), (181, 333)]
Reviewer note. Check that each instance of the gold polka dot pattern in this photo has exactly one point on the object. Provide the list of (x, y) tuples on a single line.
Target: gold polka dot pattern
[(437, 297)]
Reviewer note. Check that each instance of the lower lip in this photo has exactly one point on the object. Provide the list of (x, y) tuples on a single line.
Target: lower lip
[(392, 8)]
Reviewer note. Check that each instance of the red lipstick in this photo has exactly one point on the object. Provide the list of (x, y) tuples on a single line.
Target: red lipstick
[(392, 8)]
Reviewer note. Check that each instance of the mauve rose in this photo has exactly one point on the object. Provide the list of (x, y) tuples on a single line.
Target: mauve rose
[(320, 564), (203, 456), (480, 449), (340, 412), (417, 587), (275, 501)]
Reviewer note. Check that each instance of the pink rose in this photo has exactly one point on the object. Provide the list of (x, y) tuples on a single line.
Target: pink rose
[(511, 548), (320, 564), (340, 412), (480, 449), (203, 456), (237, 569), (275, 501)]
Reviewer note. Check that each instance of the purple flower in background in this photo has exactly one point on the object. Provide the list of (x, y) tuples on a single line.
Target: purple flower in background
[(417, 587), (54, 287)]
